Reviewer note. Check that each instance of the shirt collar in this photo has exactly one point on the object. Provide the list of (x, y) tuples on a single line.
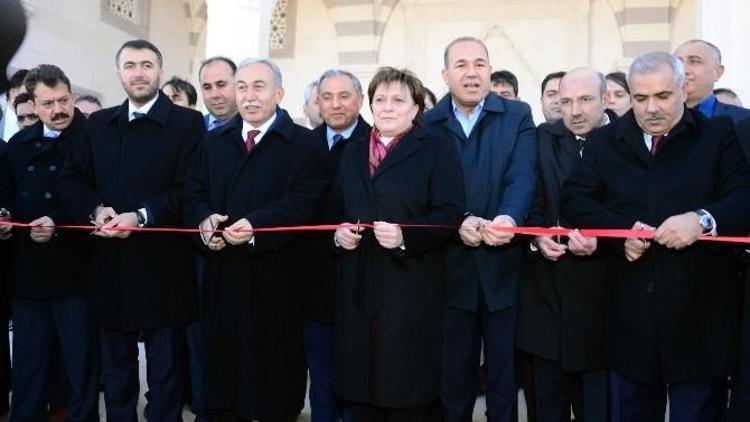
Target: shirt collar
[(49, 133), (477, 109), (263, 129), (212, 120), (346, 133), (143, 109), (706, 107)]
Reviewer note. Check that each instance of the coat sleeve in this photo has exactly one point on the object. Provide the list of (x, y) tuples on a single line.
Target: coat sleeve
[(77, 182), (519, 179), (197, 201), (167, 208), (732, 206), (7, 191), (447, 203), (297, 206)]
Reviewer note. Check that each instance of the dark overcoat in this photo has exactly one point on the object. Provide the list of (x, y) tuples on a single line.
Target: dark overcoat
[(499, 165), (145, 281), (28, 189), (562, 303), (672, 315), (389, 302), (320, 264), (255, 364)]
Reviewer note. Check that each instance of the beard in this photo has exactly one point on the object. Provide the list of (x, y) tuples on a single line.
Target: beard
[(142, 96)]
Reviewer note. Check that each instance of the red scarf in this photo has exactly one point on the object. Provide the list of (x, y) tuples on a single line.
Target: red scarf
[(378, 150)]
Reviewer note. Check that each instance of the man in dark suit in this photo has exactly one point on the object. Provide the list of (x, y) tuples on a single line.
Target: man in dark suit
[(340, 98), (703, 69), (562, 292), (258, 170), (496, 140), (48, 269), (4, 312), (673, 304), (128, 172), (216, 76)]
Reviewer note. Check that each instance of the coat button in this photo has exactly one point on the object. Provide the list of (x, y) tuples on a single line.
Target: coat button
[(24, 194), (52, 167), (47, 195), (30, 168), (38, 144), (650, 287)]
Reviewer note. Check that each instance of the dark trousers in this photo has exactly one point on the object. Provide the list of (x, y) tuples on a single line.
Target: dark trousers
[(319, 343), (4, 365), (553, 399), (464, 331), (120, 369), (367, 413), (688, 401), (36, 324), (196, 353)]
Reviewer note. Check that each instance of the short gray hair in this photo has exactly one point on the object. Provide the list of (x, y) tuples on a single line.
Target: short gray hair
[(330, 73), (714, 49), (309, 89), (277, 80), (653, 61), (460, 40)]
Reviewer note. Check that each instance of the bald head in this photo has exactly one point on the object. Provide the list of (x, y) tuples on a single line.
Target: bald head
[(703, 69), (582, 93)]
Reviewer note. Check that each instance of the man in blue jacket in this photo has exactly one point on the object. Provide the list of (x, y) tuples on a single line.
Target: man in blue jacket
[(496, 141), (703, 68)]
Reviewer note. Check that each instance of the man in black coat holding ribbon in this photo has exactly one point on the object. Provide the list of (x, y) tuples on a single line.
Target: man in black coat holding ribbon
[(673, 303)]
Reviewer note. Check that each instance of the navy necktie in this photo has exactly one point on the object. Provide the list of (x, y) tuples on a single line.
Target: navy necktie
[(138, 115), (217, 123), (336, 139)]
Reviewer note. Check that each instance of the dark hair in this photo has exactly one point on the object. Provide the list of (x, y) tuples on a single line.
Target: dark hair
[(620, 79), (388, 75), (725, 91), (182, 86), (507, 77), (16, 80), (89, 99), (20, 99), (48, 74), (215, 59), (430, 95), (138, 45), (551, 76)]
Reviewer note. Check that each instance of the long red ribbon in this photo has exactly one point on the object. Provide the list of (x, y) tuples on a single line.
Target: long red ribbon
[(533, 231)]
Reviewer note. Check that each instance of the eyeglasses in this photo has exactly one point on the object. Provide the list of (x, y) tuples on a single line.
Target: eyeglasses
[(30, 117)]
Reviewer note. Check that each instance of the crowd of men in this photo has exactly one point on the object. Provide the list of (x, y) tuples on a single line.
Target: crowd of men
[(236, 319)]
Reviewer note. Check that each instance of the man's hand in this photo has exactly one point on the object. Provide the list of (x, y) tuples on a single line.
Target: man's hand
[(635, 248), (580, 245), (241, 231), (494, 237), (42, 229), (549, 248), (213, 242), (388, 235), (679, 231), (348, 236), (5, 230), (470, 230), (128, 219)]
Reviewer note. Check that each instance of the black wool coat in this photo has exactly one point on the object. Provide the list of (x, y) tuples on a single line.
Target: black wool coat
[(319, 258), (255, 364), (145, 281), (672, 315), (28, 189), (389, 302)]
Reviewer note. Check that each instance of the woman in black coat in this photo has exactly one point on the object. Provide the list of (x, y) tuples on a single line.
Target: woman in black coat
[(390, 286)]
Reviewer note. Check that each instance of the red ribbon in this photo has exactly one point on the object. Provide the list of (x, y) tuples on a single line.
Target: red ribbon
[(532, 231)]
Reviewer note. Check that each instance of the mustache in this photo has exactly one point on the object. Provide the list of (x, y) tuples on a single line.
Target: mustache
[(60, 116)]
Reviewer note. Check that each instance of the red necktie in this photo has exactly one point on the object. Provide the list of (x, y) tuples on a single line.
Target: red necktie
[(655, 141), (250, 140)]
